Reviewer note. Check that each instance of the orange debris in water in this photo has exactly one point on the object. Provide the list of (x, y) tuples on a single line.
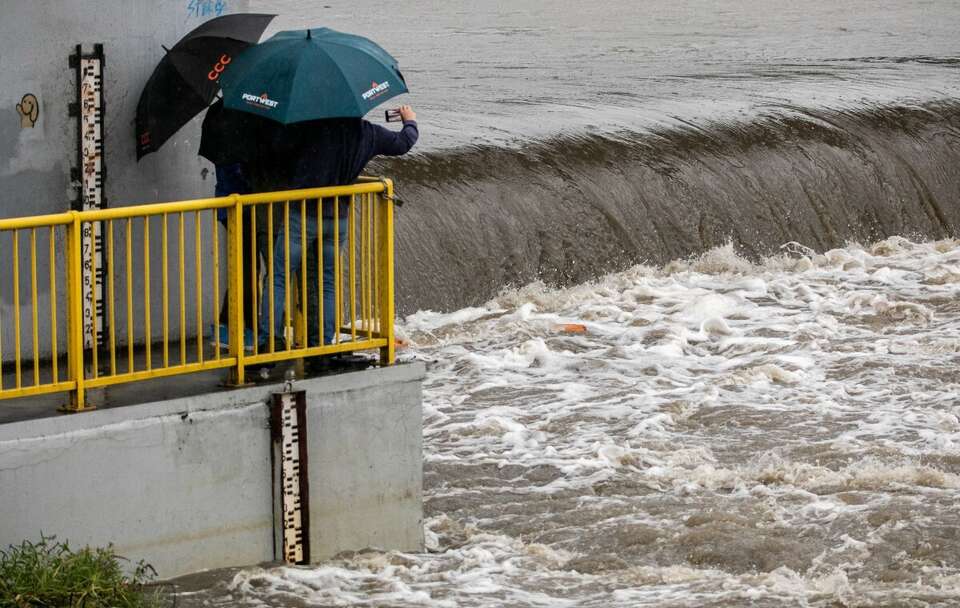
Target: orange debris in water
[(573, 328), (400, 343)]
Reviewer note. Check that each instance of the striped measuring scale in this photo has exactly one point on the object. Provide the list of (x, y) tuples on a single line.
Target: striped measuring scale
[(90, 175), (291, 488)]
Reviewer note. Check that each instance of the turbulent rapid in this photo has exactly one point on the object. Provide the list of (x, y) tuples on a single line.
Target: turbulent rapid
[(712, 432)]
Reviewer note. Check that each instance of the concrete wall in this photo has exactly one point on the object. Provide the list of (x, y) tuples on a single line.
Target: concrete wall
[(375, 500), (186, 484), (36, 39)]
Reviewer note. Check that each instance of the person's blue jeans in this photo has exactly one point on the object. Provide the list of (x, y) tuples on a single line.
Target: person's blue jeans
[(280, 280)]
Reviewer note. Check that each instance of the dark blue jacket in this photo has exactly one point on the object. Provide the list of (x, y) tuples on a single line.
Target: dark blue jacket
[(335, 152), (329, 152), (226, 138)]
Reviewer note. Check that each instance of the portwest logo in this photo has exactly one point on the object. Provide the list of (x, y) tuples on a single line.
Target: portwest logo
[(260, 100), (376, 90)]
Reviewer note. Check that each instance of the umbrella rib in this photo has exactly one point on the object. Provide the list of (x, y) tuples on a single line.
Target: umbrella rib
[(339, 72), (272, 53), (296, 75)]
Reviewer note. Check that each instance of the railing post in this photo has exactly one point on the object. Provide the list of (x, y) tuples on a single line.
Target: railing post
[(75, 313), (235, 288), (387, 353)]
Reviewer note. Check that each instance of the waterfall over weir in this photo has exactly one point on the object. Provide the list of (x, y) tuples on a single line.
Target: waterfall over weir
[(572, 208)]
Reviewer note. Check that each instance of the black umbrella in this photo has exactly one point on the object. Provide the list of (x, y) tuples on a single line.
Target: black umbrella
[(188, 77)]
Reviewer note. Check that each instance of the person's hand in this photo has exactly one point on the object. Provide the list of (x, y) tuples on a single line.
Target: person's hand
[(407, 113)]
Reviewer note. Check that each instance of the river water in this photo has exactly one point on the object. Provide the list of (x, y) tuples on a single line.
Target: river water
[(503, 73), (699, 324), (722, 433)]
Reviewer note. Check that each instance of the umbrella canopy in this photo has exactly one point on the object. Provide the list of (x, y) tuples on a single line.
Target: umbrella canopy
[(312, 74), (188, 77)]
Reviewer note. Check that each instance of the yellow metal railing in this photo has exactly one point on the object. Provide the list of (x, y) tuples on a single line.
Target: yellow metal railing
[(155, 326)]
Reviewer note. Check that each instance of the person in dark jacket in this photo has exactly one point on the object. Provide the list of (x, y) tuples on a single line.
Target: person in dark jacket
[(226, 139), (220, 133), (331, 152)]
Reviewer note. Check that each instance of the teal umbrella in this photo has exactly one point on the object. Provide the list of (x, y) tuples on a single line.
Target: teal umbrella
[(311, 74)]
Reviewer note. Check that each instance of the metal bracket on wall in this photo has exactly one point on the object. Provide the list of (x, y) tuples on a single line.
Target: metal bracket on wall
[(288, 430), (90, 176)]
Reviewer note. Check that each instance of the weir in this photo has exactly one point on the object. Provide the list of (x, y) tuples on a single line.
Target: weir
[(578, 206)]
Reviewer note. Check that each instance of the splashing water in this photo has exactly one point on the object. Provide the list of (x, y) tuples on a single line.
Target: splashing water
[(712, 433)]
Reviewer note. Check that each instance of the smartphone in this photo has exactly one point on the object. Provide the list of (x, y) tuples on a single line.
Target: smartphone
[(393, 115)]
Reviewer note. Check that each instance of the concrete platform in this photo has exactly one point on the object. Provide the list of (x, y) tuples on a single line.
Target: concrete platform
[(186, 483)]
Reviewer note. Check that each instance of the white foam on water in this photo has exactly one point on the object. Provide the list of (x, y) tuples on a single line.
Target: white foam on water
[(717, 432)]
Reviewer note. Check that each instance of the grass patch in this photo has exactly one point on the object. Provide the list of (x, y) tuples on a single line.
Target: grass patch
[(50, 574)]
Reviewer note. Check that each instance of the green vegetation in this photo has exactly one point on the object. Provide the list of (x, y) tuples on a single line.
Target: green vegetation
[(50, 574)]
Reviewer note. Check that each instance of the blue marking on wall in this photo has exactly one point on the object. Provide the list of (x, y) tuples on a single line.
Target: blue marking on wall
[(199, 9)]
